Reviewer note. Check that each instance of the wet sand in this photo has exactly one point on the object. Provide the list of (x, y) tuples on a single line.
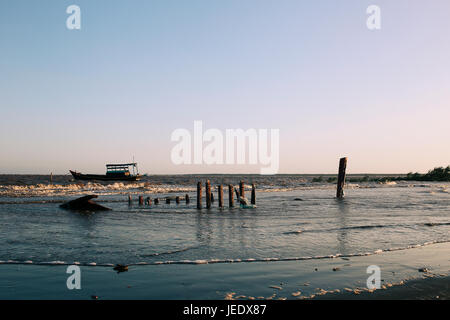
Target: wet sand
[(251, 280)]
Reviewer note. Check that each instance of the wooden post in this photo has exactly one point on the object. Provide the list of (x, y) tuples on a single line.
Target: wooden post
[(341, 178), (156, 201), (141, 200), (220, 196), (177, 199), (167, 200), (241, 189), (253, 200), (51, 177), (237, 194), (208, 194), (199, 195), (129, 199), (186, 197), (230, 196), (212, 197)]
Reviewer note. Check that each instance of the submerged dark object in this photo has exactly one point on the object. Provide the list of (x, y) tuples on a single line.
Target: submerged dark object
[(114, 172), (120, 268), (84, 204)]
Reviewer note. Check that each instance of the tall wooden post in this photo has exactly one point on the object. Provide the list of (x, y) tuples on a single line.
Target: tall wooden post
[(199, 195), (253, 200), (341, 178), (208, 194), (230, 196), (186, 197), (220, 194), (241, 189)]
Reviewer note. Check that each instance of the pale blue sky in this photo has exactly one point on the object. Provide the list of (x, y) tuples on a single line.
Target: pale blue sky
[(137, 70)]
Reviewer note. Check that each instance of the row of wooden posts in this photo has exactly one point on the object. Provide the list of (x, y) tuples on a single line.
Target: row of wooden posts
[(209, 196), (241, 194)]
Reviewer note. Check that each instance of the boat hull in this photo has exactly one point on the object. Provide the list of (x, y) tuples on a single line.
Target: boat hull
[(102, 177)]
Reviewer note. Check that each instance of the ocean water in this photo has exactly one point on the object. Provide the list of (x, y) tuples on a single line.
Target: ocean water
[(295, 219)]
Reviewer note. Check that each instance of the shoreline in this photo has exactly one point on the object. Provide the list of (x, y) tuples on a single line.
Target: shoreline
[(307, 279)]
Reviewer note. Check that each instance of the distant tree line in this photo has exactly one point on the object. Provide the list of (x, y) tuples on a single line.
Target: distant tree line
[(437, 174)]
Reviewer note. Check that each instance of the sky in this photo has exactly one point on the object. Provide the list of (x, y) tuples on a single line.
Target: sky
[(138, 70)]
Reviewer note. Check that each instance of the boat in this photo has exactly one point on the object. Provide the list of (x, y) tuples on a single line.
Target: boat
[(114, 172)]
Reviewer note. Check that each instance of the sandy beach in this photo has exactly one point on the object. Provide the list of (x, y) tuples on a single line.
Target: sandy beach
[(401, 279)]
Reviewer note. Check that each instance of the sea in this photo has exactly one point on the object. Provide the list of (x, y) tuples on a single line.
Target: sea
[(294, 219)]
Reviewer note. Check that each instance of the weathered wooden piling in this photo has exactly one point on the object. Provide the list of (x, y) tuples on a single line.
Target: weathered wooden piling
[(156, 201), (253, 199), (242, 189), (208, 194), (186, 197), (237, 194), (220, 195), (341, 178), (177, 200), (141, 200), (199, 195), (230, 196)]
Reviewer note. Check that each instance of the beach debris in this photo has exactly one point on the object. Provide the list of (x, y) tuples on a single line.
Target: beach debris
[(293, 232), (298, 199), (84, 204), (120, 268), (296, 294), (230, 296), (321, 292), (336, 269), (276, 287), (424, 270)]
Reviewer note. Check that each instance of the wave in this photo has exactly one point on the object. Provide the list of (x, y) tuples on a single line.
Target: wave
[(365, 227), (81, 188), (213, 261), (117, 188)]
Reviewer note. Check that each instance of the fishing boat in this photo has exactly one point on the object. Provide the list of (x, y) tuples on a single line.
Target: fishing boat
[(114, 172)]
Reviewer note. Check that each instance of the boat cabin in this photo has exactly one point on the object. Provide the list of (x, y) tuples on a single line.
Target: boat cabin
[(121, 170)]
